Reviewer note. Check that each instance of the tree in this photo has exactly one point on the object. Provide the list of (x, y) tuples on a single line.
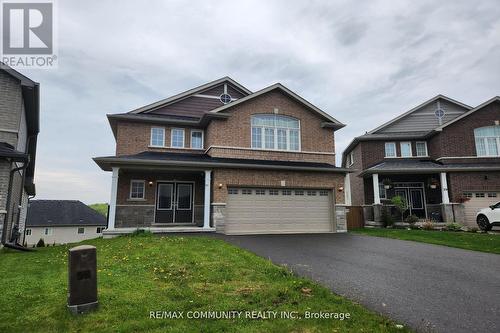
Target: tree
[(401, 205)]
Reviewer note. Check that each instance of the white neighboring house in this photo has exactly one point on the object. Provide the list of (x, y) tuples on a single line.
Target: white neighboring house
[(61, 222)]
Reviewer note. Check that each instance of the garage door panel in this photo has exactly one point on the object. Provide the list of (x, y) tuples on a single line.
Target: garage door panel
[(478, 201), (265, 213)]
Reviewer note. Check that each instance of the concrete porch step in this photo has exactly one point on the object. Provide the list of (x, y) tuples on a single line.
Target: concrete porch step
[(126, 231)]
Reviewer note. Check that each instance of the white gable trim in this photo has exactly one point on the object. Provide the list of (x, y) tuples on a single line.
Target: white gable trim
[(187, 93), (479, 107), (285, 90), (418, 107)]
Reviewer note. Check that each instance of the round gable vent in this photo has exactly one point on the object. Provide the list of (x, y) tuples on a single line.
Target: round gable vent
[(225, 98), (439, 113)]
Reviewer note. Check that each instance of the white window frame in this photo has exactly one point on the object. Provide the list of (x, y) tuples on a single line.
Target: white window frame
[(382, 191), (350, 159), (485, 142), (393, 144), (78, 231), (401, 148), (48, 231), (202, 138), (143, 189), (28, 231), (416, 149), (172, 137), (151, 137), (275, 130)]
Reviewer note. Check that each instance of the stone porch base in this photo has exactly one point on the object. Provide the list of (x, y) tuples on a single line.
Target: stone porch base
[(126, 231)]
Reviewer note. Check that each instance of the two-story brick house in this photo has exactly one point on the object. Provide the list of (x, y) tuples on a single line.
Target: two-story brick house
[(442, 156), (222, 158), (19, 127)]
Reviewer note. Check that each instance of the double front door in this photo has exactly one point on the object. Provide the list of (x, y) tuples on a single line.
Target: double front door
[(174, 202), (415, 199)]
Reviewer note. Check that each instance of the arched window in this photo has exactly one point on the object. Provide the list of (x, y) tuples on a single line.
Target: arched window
[(487, 141), (270, 131)]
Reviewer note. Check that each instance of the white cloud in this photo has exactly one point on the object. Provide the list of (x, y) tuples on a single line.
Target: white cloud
[(363, 62)]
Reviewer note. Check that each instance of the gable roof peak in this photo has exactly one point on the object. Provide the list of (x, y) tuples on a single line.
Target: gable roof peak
[(418, 107), (190, 92)]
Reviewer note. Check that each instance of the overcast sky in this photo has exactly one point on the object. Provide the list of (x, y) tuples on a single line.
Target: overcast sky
[(363, 62)]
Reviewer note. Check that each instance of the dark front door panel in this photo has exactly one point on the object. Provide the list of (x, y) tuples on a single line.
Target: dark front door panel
[(174, 202)]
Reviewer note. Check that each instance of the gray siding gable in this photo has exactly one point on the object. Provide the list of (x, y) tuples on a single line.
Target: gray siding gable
[(423, 118)]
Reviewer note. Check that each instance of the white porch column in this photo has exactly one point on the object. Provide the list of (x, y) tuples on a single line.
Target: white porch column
[(112, 200), (347, 189), (376, 190), (206, 211), (444, 188)]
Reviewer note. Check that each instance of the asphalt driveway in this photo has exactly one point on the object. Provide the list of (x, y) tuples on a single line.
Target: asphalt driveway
[(431, 288)]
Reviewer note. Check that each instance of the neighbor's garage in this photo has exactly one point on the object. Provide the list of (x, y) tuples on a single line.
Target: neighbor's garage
[(273, 211), (478, 201)]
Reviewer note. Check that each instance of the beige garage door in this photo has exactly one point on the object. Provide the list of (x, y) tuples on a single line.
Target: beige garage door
[(478, 201), (275, 211)]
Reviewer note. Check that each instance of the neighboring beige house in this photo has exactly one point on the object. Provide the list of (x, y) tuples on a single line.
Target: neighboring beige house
[(61, 222)]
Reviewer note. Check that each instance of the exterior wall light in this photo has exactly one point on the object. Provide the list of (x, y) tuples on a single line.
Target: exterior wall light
[(341, 188), (150, 183), (220, 186)]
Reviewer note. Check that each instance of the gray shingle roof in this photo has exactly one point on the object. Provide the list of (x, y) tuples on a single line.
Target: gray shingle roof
[(202, 160), (421, 166), (62, 213)]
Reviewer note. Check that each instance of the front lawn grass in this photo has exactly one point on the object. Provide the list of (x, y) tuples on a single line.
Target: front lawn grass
[(143, 273), (463, 240)]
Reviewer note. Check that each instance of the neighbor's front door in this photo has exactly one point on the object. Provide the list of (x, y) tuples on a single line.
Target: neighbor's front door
[(174, 202), (415, 199)]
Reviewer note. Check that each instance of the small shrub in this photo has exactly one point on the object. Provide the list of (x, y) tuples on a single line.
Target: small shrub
[(428, 225), (412, 219), (40, 243), (453, 227), (140, 232), (401, 205)]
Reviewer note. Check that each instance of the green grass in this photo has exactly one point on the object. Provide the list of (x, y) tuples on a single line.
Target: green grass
[(463, 240), (100, 207), (144, 273)]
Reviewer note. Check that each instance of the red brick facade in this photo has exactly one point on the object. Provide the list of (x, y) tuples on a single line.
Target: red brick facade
[(222, 178)]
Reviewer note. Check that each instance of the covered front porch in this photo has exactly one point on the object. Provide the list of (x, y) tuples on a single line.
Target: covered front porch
[(159, 200), (425, 193)]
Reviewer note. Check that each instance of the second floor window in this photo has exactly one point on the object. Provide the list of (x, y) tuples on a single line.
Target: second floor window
[(421, 148), (157, 137), (405, 149), (196, 139), (487, 141), (390, 149), (275, 132), (177, 138)]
